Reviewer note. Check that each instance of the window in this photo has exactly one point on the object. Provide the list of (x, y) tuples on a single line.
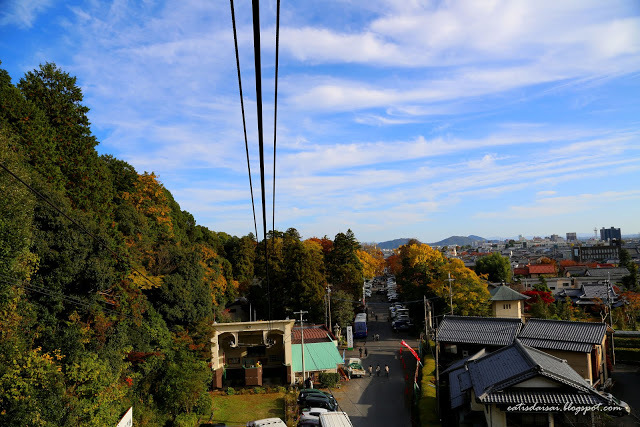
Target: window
[(506, 306)]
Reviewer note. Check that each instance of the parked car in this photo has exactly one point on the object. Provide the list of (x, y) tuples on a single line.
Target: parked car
[(318, 401), (401, 325), (311, 417), (305, 392), (267, 422)]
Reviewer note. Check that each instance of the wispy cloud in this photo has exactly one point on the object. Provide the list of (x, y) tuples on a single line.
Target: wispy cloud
[(22, 13)]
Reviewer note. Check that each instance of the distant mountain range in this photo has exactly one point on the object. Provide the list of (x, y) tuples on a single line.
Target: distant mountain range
[(449, 241)]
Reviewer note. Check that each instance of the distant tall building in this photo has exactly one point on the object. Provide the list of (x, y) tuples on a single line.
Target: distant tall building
[(609, 234), (554, 238), (572, 237)]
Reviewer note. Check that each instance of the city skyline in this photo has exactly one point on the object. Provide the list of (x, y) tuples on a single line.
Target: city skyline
[(395, 118)]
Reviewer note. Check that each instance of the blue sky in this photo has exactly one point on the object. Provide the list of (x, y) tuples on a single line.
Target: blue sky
[(396, 118)]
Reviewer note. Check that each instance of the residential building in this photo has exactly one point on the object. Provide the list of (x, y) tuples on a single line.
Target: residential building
[(520, 385), (505, 302), (581, 344)]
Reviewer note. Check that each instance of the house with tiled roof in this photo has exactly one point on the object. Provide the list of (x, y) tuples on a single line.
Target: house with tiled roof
[(520, 385), (460, 336), (581, 344), (593, 295), (537, 270), (506, 302)]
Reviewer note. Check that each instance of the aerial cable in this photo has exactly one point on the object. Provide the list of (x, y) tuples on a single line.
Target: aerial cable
[(244, 125), (275, 119), (256, 51), (100, 240)]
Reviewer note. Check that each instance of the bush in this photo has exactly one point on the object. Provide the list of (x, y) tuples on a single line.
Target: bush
[(186, 420), (628, 354), (204, 404), (626, 342), (329, 379), (281, 389), (259, 390), (427, 405), (230, 391)]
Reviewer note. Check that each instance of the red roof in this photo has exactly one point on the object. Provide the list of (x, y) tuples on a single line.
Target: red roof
[(521, 271), (542, 269), (311, 335)]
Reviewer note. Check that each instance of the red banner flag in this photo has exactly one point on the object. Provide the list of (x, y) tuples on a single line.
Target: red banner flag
[(411, 350)]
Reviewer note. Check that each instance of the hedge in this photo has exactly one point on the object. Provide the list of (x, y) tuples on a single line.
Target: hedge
[(628, 354), (626, 342), (428, 406)]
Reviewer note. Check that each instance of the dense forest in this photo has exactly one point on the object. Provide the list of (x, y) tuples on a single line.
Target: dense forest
[(108, 289)]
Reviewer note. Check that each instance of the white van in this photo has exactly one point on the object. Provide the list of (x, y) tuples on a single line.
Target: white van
[(267, 422), (335, 419)]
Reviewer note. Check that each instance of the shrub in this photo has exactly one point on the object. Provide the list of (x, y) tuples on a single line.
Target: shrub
[(626, 342), (329, 379), (628, 354), (427, 405), (259, 390), (281, 389), (186, 420), (230, 391), (204, 404)]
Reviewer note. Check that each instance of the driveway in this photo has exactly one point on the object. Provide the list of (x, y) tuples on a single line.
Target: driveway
[(379, 401)]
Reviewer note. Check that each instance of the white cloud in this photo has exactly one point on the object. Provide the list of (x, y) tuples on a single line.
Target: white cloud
[(22, 13), (562, 205)]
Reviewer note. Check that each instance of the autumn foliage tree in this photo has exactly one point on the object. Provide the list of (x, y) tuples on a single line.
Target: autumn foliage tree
[(425, 272)]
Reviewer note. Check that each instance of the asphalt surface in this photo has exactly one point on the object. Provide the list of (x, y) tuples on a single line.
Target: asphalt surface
[(379, 401), (626, 385)]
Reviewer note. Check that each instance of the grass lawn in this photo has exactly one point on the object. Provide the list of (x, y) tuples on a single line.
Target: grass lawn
[(238, 409)]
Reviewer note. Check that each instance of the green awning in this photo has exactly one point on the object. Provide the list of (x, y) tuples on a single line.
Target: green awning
[(318, 356)]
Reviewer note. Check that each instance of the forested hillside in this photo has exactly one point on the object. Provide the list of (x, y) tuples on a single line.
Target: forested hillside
[(108, 289)]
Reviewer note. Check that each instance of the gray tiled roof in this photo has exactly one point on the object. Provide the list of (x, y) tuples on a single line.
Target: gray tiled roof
[(495, 376), (557, 345), (497, 331), (505, 293), (516, 363), (542, 397), (597, 291), (605, 272), (459, 383), (562, 334)]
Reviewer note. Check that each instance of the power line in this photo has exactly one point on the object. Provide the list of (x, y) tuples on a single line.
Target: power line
[(275, 118), (244, 125), (77, 224), (63, 297), (258, 71)]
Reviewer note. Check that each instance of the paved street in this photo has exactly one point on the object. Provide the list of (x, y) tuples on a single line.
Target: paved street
[(626, 379), (378, 401)]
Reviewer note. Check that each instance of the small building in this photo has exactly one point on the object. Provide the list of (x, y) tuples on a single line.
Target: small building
[(581, 344), (505, 302), (320, 352), (520, 385), (247, 353)]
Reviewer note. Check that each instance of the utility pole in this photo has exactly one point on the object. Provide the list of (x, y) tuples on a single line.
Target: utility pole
[(302, 338), (450, 280), (329, 299), (426, 323)]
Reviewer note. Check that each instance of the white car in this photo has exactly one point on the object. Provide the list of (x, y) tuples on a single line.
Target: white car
[(311, 417)]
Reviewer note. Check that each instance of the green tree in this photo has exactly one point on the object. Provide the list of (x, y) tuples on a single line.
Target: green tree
[(343, 265), (56, 93), (342, 308), (495, 266)]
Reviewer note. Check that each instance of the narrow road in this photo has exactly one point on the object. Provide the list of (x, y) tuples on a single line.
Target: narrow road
[(378, 401)]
